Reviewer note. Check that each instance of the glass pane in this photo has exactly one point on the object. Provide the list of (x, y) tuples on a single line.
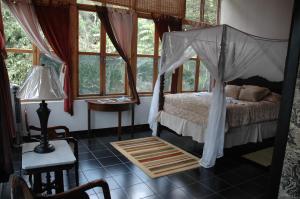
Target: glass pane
[(89, 74), (204, 78), (193, 10), (144, 74), (18, 66), (115, 75), (145, 41), (50, 62), (210, 11), (89, 32), (14, 34), (109, 46), (188, 76)]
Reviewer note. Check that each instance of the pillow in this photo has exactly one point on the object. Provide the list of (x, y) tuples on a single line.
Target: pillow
[(232, 91), (253, 93), (273, 97)]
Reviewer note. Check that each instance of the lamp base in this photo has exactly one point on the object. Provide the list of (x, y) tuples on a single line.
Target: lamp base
[(41, 148)]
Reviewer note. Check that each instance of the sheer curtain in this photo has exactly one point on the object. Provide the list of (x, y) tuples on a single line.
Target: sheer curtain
[(25, 14), (55, 23), (228, 54), (118, 25)]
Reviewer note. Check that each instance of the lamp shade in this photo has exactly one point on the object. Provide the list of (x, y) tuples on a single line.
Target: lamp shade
[(41, 84)]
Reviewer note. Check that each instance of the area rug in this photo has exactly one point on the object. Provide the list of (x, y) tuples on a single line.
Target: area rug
[(262, 157), (155, 156)]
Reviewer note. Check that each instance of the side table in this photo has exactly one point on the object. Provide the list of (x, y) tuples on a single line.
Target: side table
[(35, 164), (111, 105)]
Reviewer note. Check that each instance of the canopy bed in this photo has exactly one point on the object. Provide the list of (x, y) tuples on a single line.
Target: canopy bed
[(228, 54)]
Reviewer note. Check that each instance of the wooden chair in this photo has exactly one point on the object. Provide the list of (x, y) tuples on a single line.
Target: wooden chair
[(55, 133), (20, 190)]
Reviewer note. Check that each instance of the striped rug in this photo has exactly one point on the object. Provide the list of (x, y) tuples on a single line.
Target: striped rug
[(156, 157)]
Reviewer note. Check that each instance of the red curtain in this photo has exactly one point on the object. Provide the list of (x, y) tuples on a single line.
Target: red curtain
[(103, 15), (164, 24), (7, 128), (55, 23)]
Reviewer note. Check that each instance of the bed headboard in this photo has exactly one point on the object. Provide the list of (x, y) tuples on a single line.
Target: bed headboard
[(258, 81)]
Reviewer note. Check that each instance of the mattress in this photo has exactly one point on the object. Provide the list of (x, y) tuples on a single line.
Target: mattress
[(194, 107)]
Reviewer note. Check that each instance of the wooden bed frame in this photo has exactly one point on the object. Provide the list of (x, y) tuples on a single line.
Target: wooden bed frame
[(255, 80)]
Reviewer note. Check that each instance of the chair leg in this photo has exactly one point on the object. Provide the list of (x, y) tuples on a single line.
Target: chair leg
[(76, 173)]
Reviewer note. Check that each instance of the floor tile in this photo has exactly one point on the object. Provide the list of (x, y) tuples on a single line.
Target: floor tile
[(216, 184), (175, 194), (232, 178), (127, 180), (88, 165), (96, 174), (109, 161), (86, 156), (251, 188), (197, 190), (111, 183), (161, 185), (200, 174), (102, 153), (234, 193), (117, 169), (139, 191), (181, 179)]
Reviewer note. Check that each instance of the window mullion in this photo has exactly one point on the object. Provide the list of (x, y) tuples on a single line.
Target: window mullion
[(102, 60)]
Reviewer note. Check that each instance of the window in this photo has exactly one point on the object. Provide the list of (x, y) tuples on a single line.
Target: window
[(145, 51), (89, 53), (22, 55), (19, 48), (101, 69)]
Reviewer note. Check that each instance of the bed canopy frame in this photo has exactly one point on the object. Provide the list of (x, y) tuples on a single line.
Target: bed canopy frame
[(228, 54)]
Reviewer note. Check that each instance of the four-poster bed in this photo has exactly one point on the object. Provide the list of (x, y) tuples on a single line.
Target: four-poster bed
[(246, 122), (228, 54)]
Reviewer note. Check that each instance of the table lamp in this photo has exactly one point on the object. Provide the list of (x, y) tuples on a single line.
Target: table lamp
[(42, 84)]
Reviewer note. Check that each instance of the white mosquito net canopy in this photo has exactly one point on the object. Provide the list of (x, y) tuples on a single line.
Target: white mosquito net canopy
[(228, 54)]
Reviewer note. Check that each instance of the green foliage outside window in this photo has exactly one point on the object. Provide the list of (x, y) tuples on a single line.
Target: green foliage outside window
[(193, 10), (89, 32), (188, 75), (89, 74), (115, 75), (210, 11), (204, 78), (145, 45), (144, 74), (18, 66)]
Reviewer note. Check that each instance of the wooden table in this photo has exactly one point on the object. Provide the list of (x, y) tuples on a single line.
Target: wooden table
[(37, 163), (111, 105)]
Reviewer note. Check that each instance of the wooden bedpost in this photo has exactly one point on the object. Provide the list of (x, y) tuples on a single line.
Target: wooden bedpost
[(161, 100)]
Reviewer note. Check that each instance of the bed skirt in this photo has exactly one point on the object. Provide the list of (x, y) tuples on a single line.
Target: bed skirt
[(233, 137)]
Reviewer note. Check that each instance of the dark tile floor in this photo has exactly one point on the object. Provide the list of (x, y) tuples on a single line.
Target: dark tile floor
[(232, 177)]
